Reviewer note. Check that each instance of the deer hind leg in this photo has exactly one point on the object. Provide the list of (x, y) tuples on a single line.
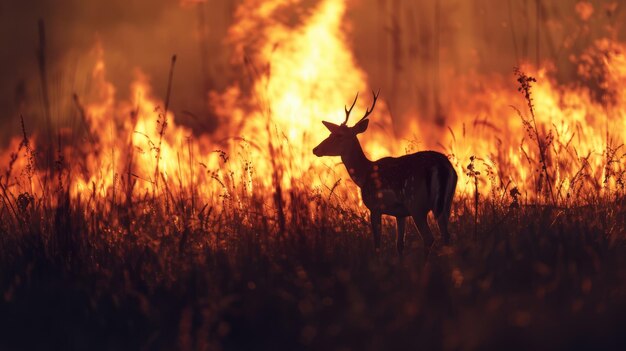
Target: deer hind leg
[(444, 216), (421, 222), (400, 222), (442, 221), (375, 219)]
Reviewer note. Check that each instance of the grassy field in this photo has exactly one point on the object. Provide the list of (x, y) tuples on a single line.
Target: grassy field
[(151, 275), (113, 268)]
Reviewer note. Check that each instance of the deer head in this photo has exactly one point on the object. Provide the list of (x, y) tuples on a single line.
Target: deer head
[(342, 138)]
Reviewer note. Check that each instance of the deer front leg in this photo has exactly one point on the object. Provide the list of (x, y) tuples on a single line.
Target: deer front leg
[(400, 223), (375, 219)]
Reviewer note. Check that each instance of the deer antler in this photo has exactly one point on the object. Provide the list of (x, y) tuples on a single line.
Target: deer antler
[(369, 110), (350, 110)]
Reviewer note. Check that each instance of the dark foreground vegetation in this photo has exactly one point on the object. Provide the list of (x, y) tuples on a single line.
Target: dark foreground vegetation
[(155, 276)]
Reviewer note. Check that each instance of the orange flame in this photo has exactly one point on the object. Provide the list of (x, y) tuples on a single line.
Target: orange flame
[(296, 75)]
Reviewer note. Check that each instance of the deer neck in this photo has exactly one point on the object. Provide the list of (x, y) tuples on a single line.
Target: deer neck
[(357, 164)]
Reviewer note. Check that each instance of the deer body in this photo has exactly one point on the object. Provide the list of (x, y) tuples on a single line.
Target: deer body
[(410, 185)]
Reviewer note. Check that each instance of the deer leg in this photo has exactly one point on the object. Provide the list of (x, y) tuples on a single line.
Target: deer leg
[(422, 227), (400, 222), (375, 219), (442, 221)]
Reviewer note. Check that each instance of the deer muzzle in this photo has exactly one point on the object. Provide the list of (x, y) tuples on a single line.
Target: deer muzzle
[(316, 151)]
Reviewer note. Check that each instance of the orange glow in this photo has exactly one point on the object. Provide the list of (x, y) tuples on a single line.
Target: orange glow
[(298, 75)]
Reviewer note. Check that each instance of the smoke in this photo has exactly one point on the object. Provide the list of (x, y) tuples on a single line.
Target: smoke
[(409, 49), (133, 35), (414, 50)]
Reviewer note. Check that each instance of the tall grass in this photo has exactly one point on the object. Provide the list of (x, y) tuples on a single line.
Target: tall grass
[(80, 276), (296, 269)]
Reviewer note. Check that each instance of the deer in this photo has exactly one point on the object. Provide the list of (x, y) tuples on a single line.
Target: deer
[(410, 185)]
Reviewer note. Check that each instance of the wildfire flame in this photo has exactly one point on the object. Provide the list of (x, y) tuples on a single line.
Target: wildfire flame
[(294, 75)]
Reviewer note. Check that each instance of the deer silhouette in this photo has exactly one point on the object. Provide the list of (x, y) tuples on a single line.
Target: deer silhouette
[(410, 185)]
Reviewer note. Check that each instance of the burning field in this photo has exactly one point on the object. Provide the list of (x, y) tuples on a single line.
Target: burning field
[(188, 211)]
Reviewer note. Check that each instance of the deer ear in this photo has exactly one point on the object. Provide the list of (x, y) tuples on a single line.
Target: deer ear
[(331, 126), (361, 126)]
